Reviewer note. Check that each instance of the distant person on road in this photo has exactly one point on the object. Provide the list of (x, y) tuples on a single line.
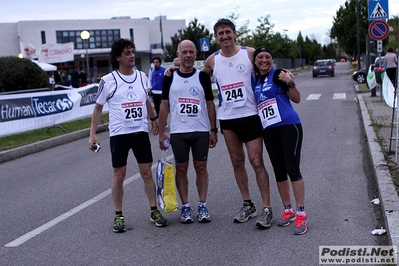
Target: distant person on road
[(64, 79), (282, 133), (391, 62), (82, 77), (187, 93), (156, 81), (75, 79), (125, 92), (51, 80), (176, 62), (232, 69)]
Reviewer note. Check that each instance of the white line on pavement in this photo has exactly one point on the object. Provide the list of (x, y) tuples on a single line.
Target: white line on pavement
[(62, 217)]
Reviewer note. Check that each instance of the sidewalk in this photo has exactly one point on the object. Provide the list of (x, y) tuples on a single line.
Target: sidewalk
[(377, 114)]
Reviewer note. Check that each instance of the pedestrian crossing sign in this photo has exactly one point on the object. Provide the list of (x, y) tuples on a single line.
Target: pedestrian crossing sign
[(204, 45), (378, 9)]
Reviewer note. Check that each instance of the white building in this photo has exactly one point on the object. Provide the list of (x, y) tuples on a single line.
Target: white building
[(145, 33)]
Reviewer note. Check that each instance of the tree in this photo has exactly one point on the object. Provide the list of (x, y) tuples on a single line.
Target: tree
[(243, 33), (393, 38), (19, 74), (194, 32), (344, 26), (263, 32)]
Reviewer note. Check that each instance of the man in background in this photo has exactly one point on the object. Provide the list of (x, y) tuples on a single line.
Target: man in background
[(156, 81)]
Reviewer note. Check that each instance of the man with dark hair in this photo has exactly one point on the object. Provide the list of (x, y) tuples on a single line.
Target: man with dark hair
[(129, 109), (237, 112), (156, 80)]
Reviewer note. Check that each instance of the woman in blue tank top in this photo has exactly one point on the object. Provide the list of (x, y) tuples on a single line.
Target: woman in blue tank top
[(274, 89)]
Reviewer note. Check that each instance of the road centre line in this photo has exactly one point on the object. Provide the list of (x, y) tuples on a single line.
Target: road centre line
[(22, 239)]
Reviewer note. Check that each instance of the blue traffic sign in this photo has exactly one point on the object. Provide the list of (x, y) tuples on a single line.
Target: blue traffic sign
[(378, 30), (204, 45), (378, 9)]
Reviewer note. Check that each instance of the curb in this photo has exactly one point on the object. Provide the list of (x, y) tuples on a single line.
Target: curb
[(386, 188), (15, 153)]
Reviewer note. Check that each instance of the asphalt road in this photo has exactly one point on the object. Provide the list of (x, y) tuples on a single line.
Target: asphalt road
[(56, 207)]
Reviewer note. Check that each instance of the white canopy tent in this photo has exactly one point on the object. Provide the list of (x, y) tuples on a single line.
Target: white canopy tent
[(45, 66)]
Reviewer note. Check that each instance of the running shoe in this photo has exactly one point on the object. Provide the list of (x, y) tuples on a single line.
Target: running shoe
[(247, 211), (157, 219), (203, 215), (301, 224), (119, 224), (287, 217), (266, 219), (185, 216)]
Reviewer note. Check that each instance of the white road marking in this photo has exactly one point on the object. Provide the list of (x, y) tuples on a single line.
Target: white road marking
[(339, 96), (313, 97), (62, 217)]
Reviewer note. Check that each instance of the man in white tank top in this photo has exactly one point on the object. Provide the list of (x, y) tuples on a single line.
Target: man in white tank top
[(232, 70), (187, 94), (124, 90)]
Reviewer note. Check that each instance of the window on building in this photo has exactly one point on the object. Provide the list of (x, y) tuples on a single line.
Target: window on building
[(132, 35), (98, 38), (43, 34)]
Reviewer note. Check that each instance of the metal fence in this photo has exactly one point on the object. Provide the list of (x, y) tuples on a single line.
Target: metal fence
[(289, 63)]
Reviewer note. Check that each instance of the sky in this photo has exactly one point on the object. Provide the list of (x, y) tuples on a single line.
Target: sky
[(313, 18)]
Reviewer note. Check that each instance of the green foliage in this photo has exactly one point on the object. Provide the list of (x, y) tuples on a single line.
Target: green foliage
[(263, 35), (19, 74), (393, 38), (194, 32), (344, 26)]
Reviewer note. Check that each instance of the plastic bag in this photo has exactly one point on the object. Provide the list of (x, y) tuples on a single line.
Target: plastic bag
[(166, 185), (371, 81)]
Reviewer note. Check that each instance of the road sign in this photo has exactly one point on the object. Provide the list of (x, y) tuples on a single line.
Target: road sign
[(378, 9), (379, 46), (204, 45), (378, 30)]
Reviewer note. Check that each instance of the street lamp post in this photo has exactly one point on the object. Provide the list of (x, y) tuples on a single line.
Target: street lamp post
[(85, 35)]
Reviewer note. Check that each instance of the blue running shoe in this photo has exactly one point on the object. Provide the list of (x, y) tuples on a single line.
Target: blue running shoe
[(203, 215), (185, 216)]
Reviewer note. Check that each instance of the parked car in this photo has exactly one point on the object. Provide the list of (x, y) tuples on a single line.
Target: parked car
[(360, 75), (377, 61), (323, 67)]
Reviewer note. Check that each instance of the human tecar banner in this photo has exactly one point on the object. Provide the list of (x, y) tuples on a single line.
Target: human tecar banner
[(56, 53), (28, 111)]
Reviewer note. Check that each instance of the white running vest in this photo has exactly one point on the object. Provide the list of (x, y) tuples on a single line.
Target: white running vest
[(126, 97), (233, 76), (187, 102)]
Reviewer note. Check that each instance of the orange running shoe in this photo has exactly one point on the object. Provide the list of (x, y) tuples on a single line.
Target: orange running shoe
[(301, 224), (287, 217)]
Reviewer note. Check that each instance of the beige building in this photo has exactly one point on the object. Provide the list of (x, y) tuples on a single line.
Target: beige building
[(144, 32)]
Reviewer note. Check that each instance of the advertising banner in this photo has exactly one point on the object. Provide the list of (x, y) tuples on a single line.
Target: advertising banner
[(56, 53), (27, 49), (28, 111)]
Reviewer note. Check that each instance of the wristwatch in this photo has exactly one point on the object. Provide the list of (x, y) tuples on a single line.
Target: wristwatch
[(292, 84), (154, 118), (215, 129)]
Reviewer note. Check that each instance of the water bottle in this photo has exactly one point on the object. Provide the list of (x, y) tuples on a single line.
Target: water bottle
[(166, 143)]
